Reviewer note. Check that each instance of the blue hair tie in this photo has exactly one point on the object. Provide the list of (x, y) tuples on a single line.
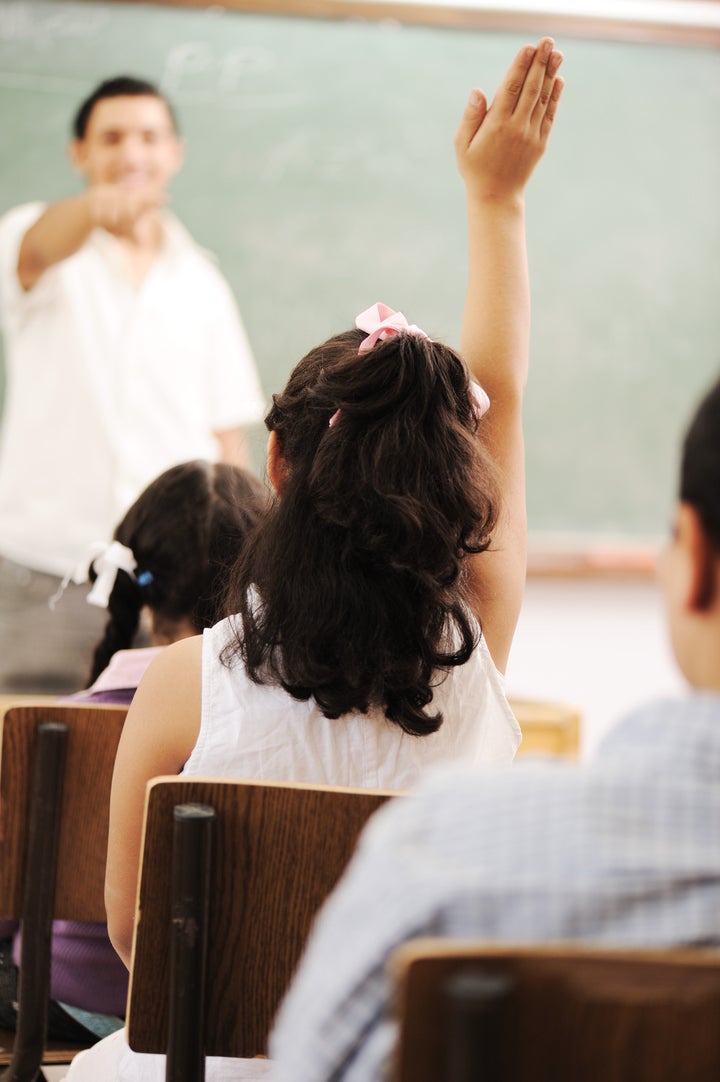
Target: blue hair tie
[(144, 578)]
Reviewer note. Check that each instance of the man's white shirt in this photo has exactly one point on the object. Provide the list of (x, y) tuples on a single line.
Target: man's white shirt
[(108, 384)]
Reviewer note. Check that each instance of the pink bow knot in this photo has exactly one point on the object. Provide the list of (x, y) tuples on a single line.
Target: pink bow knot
[(381, 322)]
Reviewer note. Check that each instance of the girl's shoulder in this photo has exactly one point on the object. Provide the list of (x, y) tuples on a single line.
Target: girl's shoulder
[(172, 680)]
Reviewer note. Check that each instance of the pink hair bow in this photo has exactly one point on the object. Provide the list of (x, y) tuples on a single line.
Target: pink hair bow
[(380, 322)]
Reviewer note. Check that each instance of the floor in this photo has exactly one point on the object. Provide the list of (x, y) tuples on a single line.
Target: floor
[(600, 644)]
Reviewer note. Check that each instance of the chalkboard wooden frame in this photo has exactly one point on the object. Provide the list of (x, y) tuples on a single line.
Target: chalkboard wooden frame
[(493, 16)]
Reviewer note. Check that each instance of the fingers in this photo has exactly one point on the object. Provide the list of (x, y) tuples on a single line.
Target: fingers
[(548, 84), (549, 114), (528, 86), (120, 211), (524, 80), (472, 118)]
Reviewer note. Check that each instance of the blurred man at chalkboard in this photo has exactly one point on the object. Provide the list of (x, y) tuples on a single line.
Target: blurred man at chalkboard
[(125, 354)]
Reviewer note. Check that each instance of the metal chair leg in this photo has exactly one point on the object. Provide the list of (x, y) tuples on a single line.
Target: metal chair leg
[(478, 1004), (192, 834), (39, 892)]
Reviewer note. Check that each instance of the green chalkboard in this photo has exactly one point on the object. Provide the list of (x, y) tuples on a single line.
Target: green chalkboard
[(320, 170)]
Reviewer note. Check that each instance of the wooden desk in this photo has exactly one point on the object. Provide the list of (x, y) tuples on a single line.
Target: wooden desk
[(548, 728)]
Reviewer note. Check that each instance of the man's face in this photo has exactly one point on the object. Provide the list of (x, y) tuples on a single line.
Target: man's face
[(129, 141)]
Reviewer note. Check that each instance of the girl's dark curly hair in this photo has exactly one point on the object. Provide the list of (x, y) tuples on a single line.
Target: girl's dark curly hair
[(355, 589), (185, 532)]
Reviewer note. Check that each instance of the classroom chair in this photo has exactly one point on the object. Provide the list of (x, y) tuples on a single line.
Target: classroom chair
[(56, 764), (469, 1010), (221, 923)]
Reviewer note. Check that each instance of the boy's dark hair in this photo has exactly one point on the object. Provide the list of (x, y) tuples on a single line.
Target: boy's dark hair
[(700, 464), (121, 86), (185, 531), (355, 590)]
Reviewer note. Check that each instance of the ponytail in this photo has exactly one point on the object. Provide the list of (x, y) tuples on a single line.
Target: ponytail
[(124, 607), (355, 590)]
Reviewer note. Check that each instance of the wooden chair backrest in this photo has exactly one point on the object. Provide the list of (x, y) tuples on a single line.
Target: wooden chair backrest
[(56, 764), (93, 735), (560, 1012), (277, 851)]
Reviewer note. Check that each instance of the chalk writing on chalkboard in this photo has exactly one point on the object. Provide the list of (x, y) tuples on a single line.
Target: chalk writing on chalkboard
[(228, 67), (50, 24)]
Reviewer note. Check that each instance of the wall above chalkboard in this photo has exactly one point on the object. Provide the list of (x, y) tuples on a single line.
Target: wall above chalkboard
[(320, 170), (689, 22)]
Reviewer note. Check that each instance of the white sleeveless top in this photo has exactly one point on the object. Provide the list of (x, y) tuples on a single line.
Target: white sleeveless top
[(250, 730)]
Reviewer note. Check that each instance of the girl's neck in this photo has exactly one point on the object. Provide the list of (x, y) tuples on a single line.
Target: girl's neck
[(164, 632)]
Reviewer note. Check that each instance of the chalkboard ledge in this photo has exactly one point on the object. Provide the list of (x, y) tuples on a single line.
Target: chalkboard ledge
[(594, 560)]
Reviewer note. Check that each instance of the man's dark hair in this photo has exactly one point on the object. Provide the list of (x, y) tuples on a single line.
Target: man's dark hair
[(121, 86), (700, 466)]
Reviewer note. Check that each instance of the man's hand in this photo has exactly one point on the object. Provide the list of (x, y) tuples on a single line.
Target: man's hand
[(120, 211), (65, 226)]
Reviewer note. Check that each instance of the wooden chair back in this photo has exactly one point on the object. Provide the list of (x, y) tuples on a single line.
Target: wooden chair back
[(56, 764), (468, 1010), (277, 850)]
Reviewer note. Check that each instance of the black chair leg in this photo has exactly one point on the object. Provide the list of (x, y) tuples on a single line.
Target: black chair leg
[(188, 945), (39, 893), (478, 1005)]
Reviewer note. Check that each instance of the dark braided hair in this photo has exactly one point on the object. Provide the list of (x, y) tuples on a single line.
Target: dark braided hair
[(185, 532), (355, 590)]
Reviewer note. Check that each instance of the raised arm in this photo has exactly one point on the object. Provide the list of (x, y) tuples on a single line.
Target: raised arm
[(65, 226), (497, 149), (160, 731)]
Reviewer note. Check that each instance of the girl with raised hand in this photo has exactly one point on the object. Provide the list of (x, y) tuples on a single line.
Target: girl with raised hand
[(378, 599)]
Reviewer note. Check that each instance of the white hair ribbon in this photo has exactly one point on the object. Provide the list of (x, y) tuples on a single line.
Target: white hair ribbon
[(114, 558)]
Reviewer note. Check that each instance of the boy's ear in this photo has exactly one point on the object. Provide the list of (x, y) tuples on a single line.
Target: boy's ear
[(702, 560)]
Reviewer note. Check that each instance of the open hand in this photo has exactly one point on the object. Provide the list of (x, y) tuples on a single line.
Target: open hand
[(498, 147)]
